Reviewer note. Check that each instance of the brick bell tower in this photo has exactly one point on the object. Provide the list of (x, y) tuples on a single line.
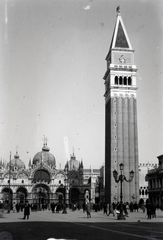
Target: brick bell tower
[(121, 135)]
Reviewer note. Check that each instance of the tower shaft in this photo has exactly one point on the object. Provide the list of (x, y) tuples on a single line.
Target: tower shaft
[(121, 138)]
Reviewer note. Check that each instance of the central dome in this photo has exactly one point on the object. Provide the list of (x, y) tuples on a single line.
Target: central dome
[(45, 157)]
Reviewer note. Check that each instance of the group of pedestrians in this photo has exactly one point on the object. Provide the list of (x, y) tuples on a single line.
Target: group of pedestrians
[(55, 207), (151, 210)]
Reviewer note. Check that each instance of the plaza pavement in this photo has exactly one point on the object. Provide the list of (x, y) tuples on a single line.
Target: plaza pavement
[(45, 225), (79, 216)]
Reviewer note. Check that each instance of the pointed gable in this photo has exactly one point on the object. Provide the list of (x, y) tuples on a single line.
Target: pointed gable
[(120, 38), (121, 41), (120, 47)]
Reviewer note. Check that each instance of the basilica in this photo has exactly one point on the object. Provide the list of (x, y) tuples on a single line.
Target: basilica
[(42, 183)]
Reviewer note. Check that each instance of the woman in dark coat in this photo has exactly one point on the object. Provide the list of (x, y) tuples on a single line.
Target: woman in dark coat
[(149, 210), (26, 210)]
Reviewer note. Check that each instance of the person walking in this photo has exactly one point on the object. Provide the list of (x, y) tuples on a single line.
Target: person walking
[(111, 210), (26, 210)]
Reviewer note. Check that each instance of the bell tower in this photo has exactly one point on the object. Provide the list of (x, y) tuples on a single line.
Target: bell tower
[(121, 135)]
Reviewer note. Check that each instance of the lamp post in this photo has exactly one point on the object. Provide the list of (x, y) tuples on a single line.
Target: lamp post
[(161, 199), (64, 205), (9, 199), (121, 178)]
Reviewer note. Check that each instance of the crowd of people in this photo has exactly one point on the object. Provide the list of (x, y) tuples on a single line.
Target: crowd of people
[(108, 208), (115, 208)]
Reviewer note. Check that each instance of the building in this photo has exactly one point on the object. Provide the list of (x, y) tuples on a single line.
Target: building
[(154, 177), (121, 135), (41, 183), (143, 185)]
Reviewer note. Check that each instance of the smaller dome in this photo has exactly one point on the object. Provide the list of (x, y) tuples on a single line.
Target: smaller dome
[(73, 164), (16, 162)]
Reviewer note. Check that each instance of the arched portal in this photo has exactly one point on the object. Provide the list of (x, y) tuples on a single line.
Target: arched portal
[(61, 194), (7, 198), (41, 196), (21, 195), (74, 195)]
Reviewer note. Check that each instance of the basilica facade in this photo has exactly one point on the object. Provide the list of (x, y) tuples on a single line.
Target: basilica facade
[(42, 183)]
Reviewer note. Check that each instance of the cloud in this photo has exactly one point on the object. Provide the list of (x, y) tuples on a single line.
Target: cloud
[(87, 7)]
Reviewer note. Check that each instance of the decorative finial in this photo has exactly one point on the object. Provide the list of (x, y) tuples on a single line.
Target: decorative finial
[(17, 149), (45, 140), (118, 10), (73, 151)]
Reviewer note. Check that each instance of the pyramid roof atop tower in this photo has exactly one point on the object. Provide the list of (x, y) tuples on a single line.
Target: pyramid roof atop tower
[(120, 39)]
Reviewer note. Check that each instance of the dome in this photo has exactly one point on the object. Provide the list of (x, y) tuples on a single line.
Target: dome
[(45, 156), (73, 164), (16, 162)]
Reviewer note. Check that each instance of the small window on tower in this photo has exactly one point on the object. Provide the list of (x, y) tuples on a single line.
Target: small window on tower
[(116, 80), (120, 81), (125, 80), (129, 81)]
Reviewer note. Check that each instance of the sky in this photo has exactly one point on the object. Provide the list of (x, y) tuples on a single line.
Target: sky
[(52, 63)]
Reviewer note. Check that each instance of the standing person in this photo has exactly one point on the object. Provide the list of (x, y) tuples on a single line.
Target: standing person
[(26, 210), (18, 207), (88, 207), (149, 210), (88, 210), (153, 210), (105, 208), (53, 207), (14, 207)]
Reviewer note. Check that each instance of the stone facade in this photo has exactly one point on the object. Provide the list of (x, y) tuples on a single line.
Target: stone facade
[(154, 177), (42, 183), (143, 185)]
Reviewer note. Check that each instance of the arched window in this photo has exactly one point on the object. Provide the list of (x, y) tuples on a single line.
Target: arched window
[(116, 80), (42, 175), (129, 81), (120, 80), (125, 80)]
